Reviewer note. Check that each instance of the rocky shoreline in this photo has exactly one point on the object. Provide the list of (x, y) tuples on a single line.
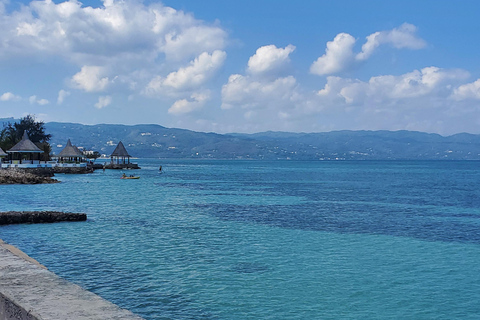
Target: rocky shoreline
[(17, 217), (19, 176)]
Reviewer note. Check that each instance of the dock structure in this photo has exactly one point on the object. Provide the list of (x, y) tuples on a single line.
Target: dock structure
[(120, 159)]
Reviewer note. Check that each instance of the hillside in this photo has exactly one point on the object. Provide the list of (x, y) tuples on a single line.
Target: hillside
[(159, 142)]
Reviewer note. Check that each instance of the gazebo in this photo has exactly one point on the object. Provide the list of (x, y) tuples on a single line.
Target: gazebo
[(119, 155), (25, 147), (70, 153)]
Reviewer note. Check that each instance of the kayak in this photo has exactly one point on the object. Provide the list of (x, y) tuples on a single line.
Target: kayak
[(130, 178)]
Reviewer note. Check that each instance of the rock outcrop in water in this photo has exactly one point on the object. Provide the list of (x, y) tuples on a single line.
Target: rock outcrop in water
[(30, 176), (16, 217)]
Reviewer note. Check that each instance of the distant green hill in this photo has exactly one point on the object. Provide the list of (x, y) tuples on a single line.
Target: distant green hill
[(159, 142)]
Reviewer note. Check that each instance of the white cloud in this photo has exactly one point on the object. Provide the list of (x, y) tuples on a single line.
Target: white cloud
[(119, 46), (62, 94), (386, 90), (245, 92), (198, 38), (467, 91), (269, 58), (8, 96), (338, 55), (103, 101), (401, 37), (184, 106), (35, 100), (90, 79), (196, 74), (116, 30)]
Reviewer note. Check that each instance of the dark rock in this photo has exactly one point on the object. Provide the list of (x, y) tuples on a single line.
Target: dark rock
[(73, 170), (16, 217), (122, 166), (26, 176)]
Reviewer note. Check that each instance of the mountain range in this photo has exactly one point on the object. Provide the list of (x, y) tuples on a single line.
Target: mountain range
[(155, 141)]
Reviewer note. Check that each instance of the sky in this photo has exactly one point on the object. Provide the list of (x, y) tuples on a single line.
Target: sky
[(244, 66)]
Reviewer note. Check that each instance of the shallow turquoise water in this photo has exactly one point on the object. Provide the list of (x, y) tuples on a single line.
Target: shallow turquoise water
[(266, 240)]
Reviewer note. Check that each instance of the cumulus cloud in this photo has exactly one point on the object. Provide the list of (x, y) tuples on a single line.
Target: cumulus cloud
[(103, 101), (35, 100), (116, 30), (121, 45), (260, 97), (194, 75), (388, 89), (269, 58), (467, 91), (8, 96), (62, 94), (178, 46), (338, 55), (401, 37), (90, 79), (196, 101), (245, 92)]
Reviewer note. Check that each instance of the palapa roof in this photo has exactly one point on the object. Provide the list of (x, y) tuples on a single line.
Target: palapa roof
[(70, 151), (2, 153), (120, 151), (25, 145)]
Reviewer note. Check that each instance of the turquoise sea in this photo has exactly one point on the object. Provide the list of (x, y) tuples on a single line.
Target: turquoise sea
[(266, 240)]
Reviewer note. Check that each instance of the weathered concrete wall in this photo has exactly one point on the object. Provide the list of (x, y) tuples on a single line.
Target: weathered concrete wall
[(10, 310), (28, 291)]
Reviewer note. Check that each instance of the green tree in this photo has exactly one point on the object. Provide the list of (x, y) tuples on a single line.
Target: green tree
[(13, 133)]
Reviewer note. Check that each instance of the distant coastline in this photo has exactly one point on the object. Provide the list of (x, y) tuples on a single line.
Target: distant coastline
[(155, 141)]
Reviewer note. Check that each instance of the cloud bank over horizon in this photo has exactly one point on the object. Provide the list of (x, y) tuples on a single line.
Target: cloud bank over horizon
[(170, 66)]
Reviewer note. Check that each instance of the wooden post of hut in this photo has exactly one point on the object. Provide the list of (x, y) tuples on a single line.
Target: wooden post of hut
[(2, 155)]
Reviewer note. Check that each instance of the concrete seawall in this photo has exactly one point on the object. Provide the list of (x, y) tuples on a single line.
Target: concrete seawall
[(28, 291)]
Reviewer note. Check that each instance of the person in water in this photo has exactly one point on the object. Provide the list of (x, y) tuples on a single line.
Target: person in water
[(160, 169)]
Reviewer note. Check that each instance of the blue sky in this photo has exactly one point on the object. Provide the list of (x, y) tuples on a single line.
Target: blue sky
[(244, 66)]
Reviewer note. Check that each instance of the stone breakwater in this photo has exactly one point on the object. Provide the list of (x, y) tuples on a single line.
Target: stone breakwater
[(28, 291), (16, 217), (32, 176)]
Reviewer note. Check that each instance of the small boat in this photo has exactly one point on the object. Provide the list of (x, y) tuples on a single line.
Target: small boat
[(129, 177)]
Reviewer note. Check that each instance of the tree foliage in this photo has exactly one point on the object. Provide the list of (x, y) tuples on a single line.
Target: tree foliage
[(11, 134), (93, 155)]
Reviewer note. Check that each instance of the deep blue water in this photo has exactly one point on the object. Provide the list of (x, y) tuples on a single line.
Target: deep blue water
[(266, 240)]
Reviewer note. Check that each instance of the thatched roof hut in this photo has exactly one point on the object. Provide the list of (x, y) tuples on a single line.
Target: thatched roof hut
[(25, 149), (25, 146), (70, 151), (120, 154)]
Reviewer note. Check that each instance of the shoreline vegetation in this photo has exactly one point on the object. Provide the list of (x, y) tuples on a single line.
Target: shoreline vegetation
[(17, 217), (17, 176)]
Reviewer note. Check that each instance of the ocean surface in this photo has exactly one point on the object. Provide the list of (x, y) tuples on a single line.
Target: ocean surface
[(266, 240)]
